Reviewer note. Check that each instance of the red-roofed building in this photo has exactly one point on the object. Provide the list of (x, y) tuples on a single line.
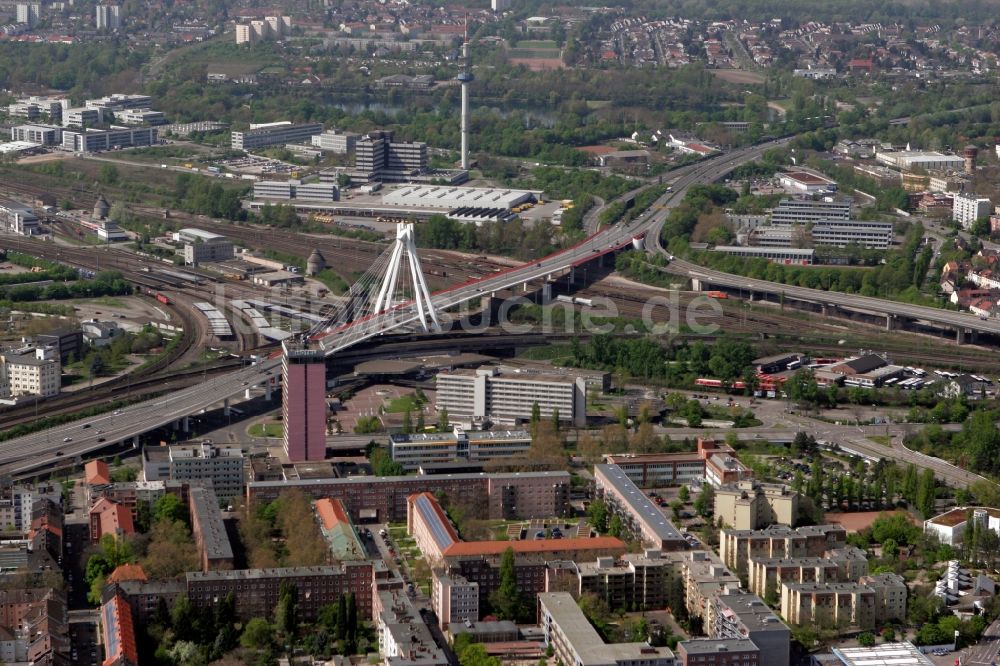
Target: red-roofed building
[(127, 572), (438, 540), (118, 630), (97, 473), (107, 517), (865, 65), (475, 565)]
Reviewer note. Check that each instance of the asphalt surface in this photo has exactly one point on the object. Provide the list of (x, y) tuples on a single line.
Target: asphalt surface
[(75, 439)]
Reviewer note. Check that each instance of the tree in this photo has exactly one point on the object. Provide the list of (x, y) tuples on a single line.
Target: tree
[(170, 508), (258, 635), (286, 611), (704, 504), (421, 426), (683, 494), (443, 424), (407, 422), (926, 493), (616, 528), (536, 416), (866, 639), (597, 512), (507, 602)]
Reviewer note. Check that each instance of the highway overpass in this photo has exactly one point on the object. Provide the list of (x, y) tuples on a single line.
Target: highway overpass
[(30, 452)]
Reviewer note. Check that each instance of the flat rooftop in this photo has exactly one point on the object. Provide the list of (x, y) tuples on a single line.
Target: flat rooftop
[(640, 504), (584, 640), (887, 654), (806, 178)]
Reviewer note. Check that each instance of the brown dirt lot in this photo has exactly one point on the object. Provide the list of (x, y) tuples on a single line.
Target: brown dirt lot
[(538, 64), (737, 76), (855, 522)]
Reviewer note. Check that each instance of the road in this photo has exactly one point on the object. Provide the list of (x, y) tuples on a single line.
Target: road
[(81, 437), (984, 653), (958, 320)]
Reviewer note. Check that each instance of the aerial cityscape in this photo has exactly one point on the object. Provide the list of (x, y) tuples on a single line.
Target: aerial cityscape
[(507, 333)]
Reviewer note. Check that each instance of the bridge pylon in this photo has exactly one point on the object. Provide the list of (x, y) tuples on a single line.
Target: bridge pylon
[(404, 255)]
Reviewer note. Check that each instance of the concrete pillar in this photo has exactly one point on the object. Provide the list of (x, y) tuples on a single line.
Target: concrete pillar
[(695, 284), (225, 407), (177, 424), (267, 389), (135, 442), (546, 293), (524, 287), (822, 309), (186, 424), (959, 336), (890, 322), (572, 274), (246, 394), (973, 336)]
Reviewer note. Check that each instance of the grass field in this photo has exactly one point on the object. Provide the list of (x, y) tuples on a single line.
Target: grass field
[(266, 430), (403, 403)]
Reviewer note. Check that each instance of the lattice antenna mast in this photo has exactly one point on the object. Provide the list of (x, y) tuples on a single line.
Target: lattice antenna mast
[(405, 250)]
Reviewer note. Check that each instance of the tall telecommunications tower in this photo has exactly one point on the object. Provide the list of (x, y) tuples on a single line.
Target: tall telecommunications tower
[(465, 78)]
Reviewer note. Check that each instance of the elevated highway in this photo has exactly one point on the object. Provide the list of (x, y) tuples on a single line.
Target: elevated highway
[(23, 454), (962, 322)]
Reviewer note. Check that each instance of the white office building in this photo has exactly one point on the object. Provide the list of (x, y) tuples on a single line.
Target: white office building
[(36, 108), (908, 160), (120, 102), (967, 208), (504, 395), (295, 189), (33, 372), (43, 135), (274, 134), (92, 141), (449, 198), (201, 246), (108, 17), (336, 141), (18, 220), (28, 13), (800, 211), (83, 116), (414, 450)]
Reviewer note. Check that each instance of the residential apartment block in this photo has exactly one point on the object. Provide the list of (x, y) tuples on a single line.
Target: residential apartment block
[(835, 605), (751, 505), (30, 372), (256, 590), (404, 639), (640, 516), (454, 598), (967, 208), (738, 547), (745, 616), (718, 652), (221, 466), (575, 641), (509, 496), (214, 549)]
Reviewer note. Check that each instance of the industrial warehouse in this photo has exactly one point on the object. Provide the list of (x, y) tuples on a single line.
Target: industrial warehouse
[(473, 205)]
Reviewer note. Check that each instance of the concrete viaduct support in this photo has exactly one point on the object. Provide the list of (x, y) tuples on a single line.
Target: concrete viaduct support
[(695, 284), (890, 322), (546, 292)]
